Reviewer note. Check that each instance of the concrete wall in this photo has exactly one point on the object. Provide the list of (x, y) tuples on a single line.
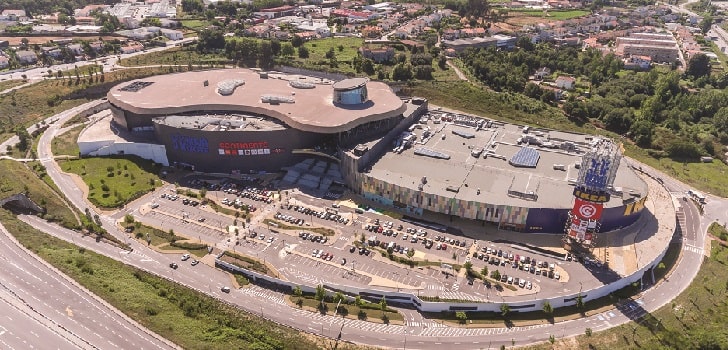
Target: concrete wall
[(153, 152)]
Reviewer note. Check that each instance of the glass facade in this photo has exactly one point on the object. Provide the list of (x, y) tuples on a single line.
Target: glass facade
[(351, 97)]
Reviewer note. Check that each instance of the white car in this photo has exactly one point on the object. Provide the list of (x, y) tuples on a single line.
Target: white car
[(529, 285), (185, 257)]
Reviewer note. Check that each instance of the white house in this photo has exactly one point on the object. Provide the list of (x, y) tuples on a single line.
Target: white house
[(172, 34), (566, 83)]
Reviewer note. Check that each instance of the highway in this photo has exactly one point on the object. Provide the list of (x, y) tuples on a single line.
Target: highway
[(45, 309), (419, 333)]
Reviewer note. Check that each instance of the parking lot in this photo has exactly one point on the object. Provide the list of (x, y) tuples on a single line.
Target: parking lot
[(302, 256)]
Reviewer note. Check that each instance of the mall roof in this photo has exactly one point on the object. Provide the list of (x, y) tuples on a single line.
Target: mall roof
[(493, 176), (307, 109)]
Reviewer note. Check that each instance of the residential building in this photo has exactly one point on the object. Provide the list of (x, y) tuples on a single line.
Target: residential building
[(171, 34), (460, 45), (378, 55), (26, 57), (659, 47), (637, 62), (566, 83)]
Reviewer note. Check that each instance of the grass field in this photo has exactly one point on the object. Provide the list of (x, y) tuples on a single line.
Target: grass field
[(194, 24), (16, 177), (66, 144), (33, 103), (708, 177), (694, 320), (7, 84), (114, 181), (552, 15), (176, 56), (188, 318)]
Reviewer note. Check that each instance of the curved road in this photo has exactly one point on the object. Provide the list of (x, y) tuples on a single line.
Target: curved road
[(419, 333), (50, 310)]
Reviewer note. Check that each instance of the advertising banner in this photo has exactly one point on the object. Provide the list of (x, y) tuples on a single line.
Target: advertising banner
[(587, 210)]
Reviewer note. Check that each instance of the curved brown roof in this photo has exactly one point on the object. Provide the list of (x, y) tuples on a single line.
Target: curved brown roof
[(349, 84), (313, 109)]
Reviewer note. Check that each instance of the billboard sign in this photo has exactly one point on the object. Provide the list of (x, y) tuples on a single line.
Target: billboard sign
[(189, 144), (583, 193), (577, 229), (244, 148), (587, 210)]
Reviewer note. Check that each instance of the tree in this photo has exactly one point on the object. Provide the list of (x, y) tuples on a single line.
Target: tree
[(505, 309), (320, 293), (641, 133), (330, 54), (265, 56), (496, 275), (339, 297), (367, 66), (275, 46), (547, 308), (383, 304), (484, 272), (468, 266), (698, 66), (402, 72), (210, 39), (705, 24), (461, 316), (442, 62), (302, 52), (298, 293), (552, 339), (358, 301), (588, 332), (192, 6), (287, 50), (579, 301), (129, 219), (297, 41)]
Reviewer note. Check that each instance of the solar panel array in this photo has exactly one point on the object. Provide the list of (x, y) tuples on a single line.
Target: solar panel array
[(526, 157), (136, 86)]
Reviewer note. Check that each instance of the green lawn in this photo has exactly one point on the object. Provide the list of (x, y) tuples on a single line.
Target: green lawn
[(696, 319), (181, 56), (190, 319), (707, 177), (66, 144), (554, 15), (194, 24), (16, 177), (114, 181)]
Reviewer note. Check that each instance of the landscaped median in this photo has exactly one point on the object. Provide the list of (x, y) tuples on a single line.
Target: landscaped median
[(278, 224), (114, 181), (353, 308)]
